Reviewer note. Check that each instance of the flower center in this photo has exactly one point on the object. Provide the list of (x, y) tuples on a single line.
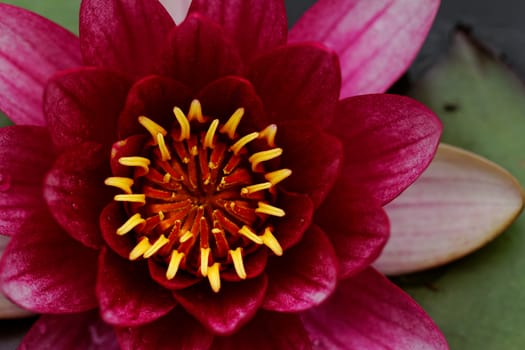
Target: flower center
[(200, 199)]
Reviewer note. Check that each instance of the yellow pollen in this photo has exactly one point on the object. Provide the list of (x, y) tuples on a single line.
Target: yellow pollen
[(159, 243), (153, 128), (135, 161), (195, 112), (164, 151), (277, 176), (186, 237), (264, 156), (269, 133), (130, 224), (238, 263), (183, 122), (214, 277), (269, 210), (243, 141), (166, 178), (231, 125), (140, 248), (161, 215), (271, 242), (205, 254), (173, 266), (255, 188), (208, 139), (248, 233), (122, 183), (133, 198)]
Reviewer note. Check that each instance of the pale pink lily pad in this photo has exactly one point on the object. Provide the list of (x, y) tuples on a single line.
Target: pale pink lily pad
[(460, 203)]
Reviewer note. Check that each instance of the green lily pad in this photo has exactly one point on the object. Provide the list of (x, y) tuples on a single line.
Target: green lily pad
[(478, 301)]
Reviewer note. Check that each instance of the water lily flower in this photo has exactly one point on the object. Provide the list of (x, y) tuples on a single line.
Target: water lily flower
[(213, 184)]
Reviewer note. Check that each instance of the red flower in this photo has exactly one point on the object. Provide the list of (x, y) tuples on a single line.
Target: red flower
[(240, 191)]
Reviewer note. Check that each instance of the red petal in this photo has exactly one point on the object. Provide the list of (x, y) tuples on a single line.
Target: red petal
[(299, 210), (298, 82), (46, 271), (375, 40), (369, 312), (132, 146), (83, 105), (111, 218), (357, 227), (253, 25), (176, 330), (314, 156), (33, 49), (388, 141), (75, 192), (254, 264), (304, 276), (180, 281), (126, 36), (268, 330), (198, 53), (75, 331), (27, 154), (126, 293), (229, 309)]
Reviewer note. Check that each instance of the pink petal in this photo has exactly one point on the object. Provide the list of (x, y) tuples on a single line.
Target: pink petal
[(126, 36), (388, 141), (126, 294), (369, 312), (253, 25), (268, 330), (357, 227), (177, 330), (111, 218), (375, 40), (33, 49), (304, 276), (78, 107), (46, 271), (75, 331), (75, 192), (460, 203), (299, 210), (27, 154), (298, 82), (228, 310), (178, 9)]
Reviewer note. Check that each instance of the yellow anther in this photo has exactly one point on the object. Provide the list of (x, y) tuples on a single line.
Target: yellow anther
[(123, 183), (248, 233), (153, 128), (134, 198), (231, 125), (269, 133), (183, 122), (243, 141), (264, 156), (135, 161), (255, 188), (159, 243), (214, 277), (277, 176), (186, 237), (161, 215), (238, 263), (205, 255), (139, 249), (173, 266), (208, 139), (271, 242), (269, 209), (166, 178), (164, 151), (195, 112), (130, 224)]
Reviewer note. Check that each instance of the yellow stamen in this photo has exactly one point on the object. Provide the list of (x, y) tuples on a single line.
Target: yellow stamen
[(186, 237), (173, 266), (140, 249), (153, 128), (122, 183), (248, 233), (159, 243), (133, 198), (166, 178), (264, 156), (231, 125), (130, 224), (238, 263), (277, 176), (205, 255), (269, 133), (214, 277), (243, 141), (208, 139), (135, 161), (164, 151), (195, 112), (271, 242), (255, 188), (183, 122), (269, 209)]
